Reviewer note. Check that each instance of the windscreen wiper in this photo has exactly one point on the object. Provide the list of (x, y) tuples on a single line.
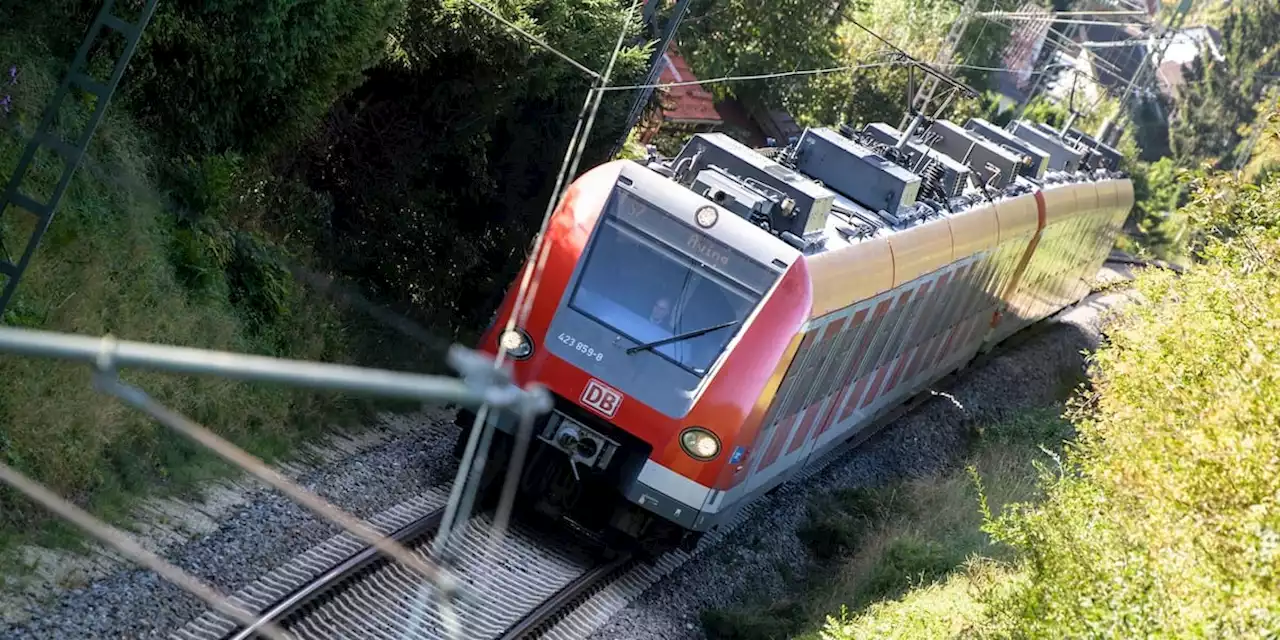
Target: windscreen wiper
[(678, 337)]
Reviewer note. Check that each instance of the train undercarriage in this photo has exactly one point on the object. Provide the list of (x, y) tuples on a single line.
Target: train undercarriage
[(555, 486)]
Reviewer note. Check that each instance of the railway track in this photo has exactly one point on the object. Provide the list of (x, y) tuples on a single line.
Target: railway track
[(530, 585), (515, 589)]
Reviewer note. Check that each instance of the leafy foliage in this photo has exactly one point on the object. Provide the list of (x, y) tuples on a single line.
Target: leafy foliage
[(116, 260), (739, 37), (441, 164), (743, 37), (1160, 190), (1218, 96), (1165, 520), (244, 75)]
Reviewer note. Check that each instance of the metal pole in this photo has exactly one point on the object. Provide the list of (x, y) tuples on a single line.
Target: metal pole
[(1070, 121), (655, 71), (481, 381)]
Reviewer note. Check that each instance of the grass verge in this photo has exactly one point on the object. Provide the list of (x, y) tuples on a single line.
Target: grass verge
[(906, 560), (116, 260)]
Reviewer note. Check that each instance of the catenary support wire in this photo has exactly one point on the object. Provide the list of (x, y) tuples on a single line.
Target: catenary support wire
[(467, 480), (481, 383), (124, 544), (536, 40)]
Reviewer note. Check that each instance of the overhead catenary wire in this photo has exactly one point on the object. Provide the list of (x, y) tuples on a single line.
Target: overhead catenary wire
[(1000, 14), (535, 39), (572, 159), (981, 31), (760, 76), (464, 488), (466, 484), (956, 84), (474, 446)]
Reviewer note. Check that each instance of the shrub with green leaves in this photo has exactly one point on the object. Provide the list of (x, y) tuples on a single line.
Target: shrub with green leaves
[(1165, 519)]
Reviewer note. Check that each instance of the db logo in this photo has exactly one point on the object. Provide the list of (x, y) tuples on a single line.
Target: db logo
[(602, 398)]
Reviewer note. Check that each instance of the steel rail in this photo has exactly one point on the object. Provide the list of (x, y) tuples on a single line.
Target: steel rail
[(336, 578), (567, 598)]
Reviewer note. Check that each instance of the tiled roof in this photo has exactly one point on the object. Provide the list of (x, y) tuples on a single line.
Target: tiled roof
[(689, 103)]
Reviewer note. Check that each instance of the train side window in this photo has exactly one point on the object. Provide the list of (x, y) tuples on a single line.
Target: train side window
[(934, 311), (912, 318), (826, 353), (980, 281), (977, 283), (804, 379), (842, 355), (862, 353), (888, 329), (968, 288), (788, 386)]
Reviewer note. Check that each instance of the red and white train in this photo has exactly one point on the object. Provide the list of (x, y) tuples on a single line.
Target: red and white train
[(711, 324)]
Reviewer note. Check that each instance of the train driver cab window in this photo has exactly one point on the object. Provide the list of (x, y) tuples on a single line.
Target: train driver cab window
[(644, 289)]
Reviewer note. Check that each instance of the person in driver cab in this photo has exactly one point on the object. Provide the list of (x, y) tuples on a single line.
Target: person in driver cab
[(661, 314)]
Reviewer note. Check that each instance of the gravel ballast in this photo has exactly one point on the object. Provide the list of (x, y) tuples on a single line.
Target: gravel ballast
[(756, 561), (401, 459)]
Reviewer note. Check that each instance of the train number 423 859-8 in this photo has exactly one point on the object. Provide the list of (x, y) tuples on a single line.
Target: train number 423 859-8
[(582, 347)]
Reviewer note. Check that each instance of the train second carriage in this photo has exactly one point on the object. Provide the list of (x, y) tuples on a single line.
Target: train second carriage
[(709, 325)]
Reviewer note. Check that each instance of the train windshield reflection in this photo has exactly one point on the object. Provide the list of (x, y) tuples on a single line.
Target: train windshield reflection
[(643, 289)]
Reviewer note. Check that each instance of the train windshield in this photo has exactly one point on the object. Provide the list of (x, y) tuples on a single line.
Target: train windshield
[(653, 279)]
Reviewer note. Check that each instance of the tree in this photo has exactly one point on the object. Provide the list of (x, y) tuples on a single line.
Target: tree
[(746, 37), (441, 163), (1219, 95)]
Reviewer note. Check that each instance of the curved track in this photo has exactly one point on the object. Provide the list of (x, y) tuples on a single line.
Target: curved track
[(512, 587), (526, 584)]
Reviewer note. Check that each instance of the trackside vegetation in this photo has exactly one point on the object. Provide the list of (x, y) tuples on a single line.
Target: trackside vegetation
[(118, 260), (250, 143)]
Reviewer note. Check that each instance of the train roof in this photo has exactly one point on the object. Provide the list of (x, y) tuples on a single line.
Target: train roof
[(829, 190), (831, 195)]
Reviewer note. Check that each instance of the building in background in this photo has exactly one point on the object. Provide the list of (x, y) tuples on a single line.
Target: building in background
[(1026, 44), (1187, 46), (689, 107)]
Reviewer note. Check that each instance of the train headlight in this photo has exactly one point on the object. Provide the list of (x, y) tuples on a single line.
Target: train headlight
[(516, 343), (699, 443), (706, 217)]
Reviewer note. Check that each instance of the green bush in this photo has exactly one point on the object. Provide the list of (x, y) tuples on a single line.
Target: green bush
[(222, 75), (838, 521), (238, 74), (116, 260), (1165, 518), (440, 166)]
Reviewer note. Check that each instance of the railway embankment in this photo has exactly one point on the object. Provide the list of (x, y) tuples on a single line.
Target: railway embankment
[(122, 259), (229, 534), (1145, 502)]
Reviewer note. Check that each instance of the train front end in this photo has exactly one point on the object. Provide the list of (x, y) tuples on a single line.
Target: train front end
[(657, 320)]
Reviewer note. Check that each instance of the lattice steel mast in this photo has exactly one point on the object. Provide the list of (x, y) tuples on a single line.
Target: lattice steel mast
[(929, 87), (70, 152)]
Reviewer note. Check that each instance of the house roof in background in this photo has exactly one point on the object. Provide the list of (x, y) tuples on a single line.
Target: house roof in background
[(689, 103)]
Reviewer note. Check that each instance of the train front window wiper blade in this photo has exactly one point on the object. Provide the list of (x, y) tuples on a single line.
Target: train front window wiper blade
[(678, 337)]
